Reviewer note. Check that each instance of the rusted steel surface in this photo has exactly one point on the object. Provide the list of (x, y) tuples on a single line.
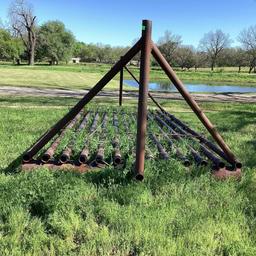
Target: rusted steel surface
[(66, 154), (56, 167), (84, 155), (224, 173), (50, 151), (148, 152), (117, 156), (87, 98), (142, 102), (217, 162), (192, 103), (121, 87), (99, 158), (198, 159), (94, 122)]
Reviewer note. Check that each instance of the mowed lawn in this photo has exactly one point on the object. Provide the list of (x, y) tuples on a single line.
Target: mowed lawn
[(85, 76), (174, 211), (47, 78)]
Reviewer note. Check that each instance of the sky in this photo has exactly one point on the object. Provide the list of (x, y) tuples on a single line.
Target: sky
[(118, 22)]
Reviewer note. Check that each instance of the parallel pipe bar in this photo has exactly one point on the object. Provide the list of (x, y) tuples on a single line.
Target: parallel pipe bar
[(65, 157), (51, 150), (142, 102), (121, 87), (84, 155), (94, 122), (99, 159), (198, 159), (192, 103), (87, 98), (206, 152), (160, 148), (201, 139), (216, 161), (177, 152), (117, 157)]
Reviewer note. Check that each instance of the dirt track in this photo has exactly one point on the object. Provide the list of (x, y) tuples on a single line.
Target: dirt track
[(218, 97)]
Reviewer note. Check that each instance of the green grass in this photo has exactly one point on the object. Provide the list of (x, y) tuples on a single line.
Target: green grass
[(174, 211), (87, 75)]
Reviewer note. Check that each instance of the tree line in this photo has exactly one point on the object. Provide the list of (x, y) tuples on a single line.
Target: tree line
[(24, 39)]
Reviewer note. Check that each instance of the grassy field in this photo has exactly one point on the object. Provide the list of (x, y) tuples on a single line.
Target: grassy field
[(87, 75), (175, 211)]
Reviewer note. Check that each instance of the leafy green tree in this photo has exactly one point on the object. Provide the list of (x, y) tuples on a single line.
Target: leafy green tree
[(184, 57), (23, 23), (214, 43), (168, 44), (10, 48), (247, 38), (55, 42)]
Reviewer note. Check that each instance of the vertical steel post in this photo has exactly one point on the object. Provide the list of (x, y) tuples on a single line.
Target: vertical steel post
[(121, 86), (146, 47)]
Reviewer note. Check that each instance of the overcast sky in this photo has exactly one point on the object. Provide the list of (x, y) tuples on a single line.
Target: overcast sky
[(118, 22)]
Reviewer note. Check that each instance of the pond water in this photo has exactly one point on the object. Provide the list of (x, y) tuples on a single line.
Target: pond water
[(167, 86)]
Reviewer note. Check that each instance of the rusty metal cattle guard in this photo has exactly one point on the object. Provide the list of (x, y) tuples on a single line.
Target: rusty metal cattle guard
[(176, 128)]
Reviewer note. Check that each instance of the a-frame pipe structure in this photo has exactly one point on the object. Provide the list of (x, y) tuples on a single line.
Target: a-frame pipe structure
[(146, 48)]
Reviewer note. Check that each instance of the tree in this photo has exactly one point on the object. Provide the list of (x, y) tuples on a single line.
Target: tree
[(184, 57), (23, 22), (200, 59), (10, 48), (247, 38), (213, 43), (55, 42), (168, 44)]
